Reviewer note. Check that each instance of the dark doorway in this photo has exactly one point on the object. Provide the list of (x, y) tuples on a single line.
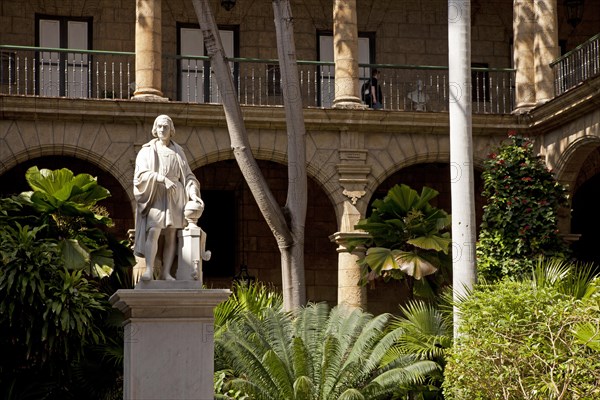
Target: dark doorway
[(219, 224), (585, 221)]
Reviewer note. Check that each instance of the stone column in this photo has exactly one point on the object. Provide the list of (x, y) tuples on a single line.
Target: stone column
[(169, 343), (524, 26), (546, 49), (350, 292), (353, 174), (345, 55), (148, 51)]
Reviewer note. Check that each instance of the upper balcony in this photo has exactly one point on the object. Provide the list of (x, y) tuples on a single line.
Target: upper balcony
[(577, 66), (54, 72)]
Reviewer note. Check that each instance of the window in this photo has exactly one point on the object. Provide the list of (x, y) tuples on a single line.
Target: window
[(63, 73), (195, 76), (326, 80)]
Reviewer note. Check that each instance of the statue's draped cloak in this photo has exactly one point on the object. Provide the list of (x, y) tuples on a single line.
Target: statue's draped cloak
[(157, 207)]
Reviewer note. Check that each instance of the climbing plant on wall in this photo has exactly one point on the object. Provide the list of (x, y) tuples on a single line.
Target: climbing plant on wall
[(520, 220)]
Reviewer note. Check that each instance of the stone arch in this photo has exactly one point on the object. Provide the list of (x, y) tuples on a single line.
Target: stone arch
[(254, 238), (569, 164), (266, 148), (416, 175), (584, 191), (420, 159)]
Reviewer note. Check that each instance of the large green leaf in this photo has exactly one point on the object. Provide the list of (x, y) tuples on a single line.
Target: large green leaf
[(74, 255), (380, 259), (413, 264), (432, 242)]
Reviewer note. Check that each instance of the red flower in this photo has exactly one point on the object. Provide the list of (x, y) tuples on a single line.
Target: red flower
[(527, 179), (512, 133), (492, 156)]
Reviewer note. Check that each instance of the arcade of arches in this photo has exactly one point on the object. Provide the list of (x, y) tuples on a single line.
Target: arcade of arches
[(234, 221)]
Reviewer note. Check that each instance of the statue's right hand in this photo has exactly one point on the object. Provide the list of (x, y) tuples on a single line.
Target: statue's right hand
[(169, 184)]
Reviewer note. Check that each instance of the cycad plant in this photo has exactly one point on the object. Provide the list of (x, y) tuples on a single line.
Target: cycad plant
[(426, 335), (317, 354)]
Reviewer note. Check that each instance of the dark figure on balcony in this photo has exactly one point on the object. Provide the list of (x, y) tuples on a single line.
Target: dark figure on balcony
[(371, 91)]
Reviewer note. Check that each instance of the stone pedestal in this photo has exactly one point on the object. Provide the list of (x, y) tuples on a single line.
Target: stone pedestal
[(169, 343)]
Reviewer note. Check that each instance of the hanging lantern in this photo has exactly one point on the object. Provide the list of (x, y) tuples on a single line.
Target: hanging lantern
[(574, 10), (227, 4)]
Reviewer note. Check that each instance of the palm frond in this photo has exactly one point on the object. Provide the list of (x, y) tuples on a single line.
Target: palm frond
[(279, 373), (304, 388), (413, 373), (351, 394), (331, 364)]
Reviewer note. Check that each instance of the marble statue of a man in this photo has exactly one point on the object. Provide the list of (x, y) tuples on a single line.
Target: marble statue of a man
[(162, 185)]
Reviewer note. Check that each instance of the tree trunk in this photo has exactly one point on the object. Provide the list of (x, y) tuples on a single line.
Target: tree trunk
[(289, 233), (297, 190), (461, 150)]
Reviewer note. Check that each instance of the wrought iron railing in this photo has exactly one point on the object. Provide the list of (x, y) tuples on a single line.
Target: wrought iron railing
[(576, 66), (53, 72), (404, 87), (107, 75)]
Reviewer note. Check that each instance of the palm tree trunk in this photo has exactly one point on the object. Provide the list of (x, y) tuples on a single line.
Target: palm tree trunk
[(461, 149)]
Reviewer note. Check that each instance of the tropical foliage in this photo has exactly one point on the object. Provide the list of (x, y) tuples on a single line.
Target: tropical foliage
[(317, 354), (520, 220), (409, 238), (426, 335), (56, 326), (529, 339), (254, 297)]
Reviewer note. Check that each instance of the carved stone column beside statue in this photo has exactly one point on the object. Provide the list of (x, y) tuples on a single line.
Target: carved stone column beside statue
[(192, 243)]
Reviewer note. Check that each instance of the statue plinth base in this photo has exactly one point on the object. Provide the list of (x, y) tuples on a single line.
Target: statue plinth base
[(169, 343)]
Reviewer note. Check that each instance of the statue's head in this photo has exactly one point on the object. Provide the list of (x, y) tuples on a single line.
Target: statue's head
[(164, 117)]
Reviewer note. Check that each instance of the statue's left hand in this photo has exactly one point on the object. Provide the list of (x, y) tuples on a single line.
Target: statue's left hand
[(197, 199)]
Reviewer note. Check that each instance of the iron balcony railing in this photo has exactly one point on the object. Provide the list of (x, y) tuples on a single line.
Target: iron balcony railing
[(54, 72), (576, 66), (404, 87), (37, 71)]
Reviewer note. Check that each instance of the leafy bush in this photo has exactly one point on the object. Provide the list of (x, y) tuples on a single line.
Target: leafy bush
[(409, 239), (58, 333), (520, 220), (527, 340)]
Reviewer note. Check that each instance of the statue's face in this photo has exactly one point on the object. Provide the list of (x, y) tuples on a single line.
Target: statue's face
[(163, 129)]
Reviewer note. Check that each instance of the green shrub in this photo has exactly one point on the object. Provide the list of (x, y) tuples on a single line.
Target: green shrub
[(408, 240), (59, 336), (518, 340), (315, 353), (520, 218)]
